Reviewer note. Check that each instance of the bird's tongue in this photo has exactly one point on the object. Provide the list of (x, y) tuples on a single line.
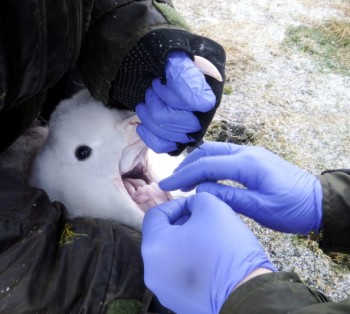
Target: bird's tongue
[(145, 195)]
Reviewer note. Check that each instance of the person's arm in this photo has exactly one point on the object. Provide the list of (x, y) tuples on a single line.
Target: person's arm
[(200, 258), (283, 292), (336, 211), (127, 47), (39, 43), (280, 293), (120, 47), (278, 194), (196, 250)]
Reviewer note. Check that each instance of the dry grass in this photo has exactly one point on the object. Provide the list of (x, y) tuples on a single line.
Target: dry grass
[(341, 31), (239, 61)]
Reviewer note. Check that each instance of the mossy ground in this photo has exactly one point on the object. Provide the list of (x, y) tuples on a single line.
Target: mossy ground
[(311, 242), (224, 131), (328, 44)]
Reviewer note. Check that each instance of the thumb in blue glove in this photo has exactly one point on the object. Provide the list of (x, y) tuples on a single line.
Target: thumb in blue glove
[(196, 250), (278, 194), (167, 114)]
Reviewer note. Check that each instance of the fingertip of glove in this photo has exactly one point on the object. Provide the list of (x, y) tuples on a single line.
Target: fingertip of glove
[(163, 184), (140, 131), (139, 109)]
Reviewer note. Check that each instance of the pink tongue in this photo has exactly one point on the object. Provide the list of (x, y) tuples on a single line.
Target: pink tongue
[(131, 185), (145, 195)]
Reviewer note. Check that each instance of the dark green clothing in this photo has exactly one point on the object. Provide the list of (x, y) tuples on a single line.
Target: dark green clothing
[(284, 292), (336, 211), (118, 46), (53, 265)]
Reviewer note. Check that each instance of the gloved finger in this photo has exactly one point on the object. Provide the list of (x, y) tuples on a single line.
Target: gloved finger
[(163, 216), (169, 118), (240, 200), (189, 176), (166, 122), (247, 203), (156, 130), (185, 79), (202, 205), (182, 101), (211, 149), (211, 168), (156, 143)]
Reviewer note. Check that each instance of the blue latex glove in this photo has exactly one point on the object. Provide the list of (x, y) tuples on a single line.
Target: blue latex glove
[(279, 195), (196, 250), (166, 115)]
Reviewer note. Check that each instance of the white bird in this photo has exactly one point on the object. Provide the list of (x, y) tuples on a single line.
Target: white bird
[(94, 162)]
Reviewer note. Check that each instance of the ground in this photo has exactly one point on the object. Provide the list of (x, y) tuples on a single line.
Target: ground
[(287, 89)]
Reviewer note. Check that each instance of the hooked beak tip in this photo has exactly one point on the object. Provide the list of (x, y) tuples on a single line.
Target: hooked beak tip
[(208, 68)]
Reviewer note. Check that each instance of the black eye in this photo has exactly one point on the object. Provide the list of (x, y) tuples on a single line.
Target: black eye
[(83, 152)]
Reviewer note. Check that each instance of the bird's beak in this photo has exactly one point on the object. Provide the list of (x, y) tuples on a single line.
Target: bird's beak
[(206, 67)]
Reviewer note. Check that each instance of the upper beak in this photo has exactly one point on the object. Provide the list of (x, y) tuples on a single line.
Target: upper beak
[(206, 67)]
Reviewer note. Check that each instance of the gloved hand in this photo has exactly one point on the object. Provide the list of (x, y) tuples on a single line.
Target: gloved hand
[(167, 113), (279, 195), (196, 250)]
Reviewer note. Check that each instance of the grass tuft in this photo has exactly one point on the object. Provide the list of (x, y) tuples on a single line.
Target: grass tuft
[(328, 44)]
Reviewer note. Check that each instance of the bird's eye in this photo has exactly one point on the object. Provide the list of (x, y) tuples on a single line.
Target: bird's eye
[(83, 152)]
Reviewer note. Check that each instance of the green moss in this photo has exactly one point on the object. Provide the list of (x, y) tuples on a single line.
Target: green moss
[(224, 131), (228, 90), (124, 306), (341, 259), (68, 235), (311, 242), (328, 44), (171, 15)]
